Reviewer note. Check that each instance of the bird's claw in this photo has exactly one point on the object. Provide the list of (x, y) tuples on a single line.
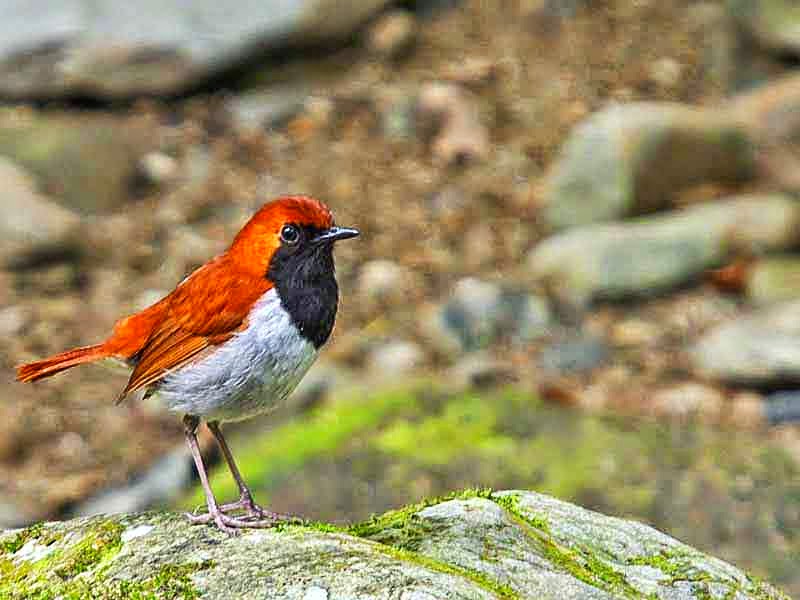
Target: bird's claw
[(254, 516)]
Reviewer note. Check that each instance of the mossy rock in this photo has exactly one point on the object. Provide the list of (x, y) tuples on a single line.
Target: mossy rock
[(476, 544), (726, 492)]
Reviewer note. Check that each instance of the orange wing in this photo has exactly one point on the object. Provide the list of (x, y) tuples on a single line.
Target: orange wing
[(204, 311)]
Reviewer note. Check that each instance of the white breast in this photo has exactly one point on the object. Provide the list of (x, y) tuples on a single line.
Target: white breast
[(249, 374)]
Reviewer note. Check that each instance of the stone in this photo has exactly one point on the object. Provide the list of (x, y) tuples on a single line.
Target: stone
[(396, 358), (773, 279), (113, 49), (393, 35), (263, 109), (89, 163), (479, 370), (383, 282), (650, 255), (458, 137), (775, 24), (782, 407), (575, 354), (158, 168), (479, 312), (687, 400), (770, 114), (633, 158), (475, 545), (760, 349), (31, 225)]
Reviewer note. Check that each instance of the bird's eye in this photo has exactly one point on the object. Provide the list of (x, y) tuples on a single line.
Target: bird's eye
[(290, 235)]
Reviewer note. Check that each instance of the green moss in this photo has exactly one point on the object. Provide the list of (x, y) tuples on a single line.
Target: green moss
[(11, 544), (78, 570), (397, 533), (681, 566), (583, 563), (103, 541), (486, 583), (400, 520), (288, 448), (171, 581), (465, 425)]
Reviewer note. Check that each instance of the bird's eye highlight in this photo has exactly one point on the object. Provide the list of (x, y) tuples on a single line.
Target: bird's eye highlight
[(290, 235)]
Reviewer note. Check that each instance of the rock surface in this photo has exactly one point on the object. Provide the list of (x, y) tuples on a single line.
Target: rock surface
[(774, 23), (630, 159), (761, 349), (113, 49), (473, 545), (654, 254)]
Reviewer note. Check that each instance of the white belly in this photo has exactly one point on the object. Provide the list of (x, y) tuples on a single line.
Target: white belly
[(249, 374)]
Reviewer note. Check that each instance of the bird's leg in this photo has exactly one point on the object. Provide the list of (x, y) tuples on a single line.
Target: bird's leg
[(190, 424), (245, 501)]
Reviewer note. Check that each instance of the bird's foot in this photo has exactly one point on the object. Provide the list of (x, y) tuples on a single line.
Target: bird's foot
[(232, 525), (254, 516)]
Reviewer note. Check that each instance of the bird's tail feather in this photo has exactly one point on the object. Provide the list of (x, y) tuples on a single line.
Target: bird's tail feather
[(60, 362)]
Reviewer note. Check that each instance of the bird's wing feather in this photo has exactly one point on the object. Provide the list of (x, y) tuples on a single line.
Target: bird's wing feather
[(204, 311)]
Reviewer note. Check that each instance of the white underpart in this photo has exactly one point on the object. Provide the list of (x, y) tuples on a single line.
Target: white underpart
[(249, 374)]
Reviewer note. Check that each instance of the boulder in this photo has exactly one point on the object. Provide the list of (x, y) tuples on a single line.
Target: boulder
[(113, 49), (762, 349), (472, 545), (630, 159), (653, 254)]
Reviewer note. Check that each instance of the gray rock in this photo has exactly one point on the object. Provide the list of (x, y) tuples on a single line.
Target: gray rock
[(630, 159), (474, 546), (774, 23), (761, 349), (114, 49), (650, 255), (574, 355), (31, 224), (782, 407), (87, 162), (478, 312)]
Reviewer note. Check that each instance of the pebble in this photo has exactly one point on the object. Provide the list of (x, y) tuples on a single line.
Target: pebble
[(573, 354), (393, 35), (396, 358), (458, 137), (782, 407), (686, 400), (382, 282), (158, 168), (31, 224)]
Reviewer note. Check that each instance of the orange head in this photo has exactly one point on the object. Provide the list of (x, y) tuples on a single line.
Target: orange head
[(288, 225)]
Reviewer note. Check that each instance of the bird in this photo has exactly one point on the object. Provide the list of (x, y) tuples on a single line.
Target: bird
[(233, 339)]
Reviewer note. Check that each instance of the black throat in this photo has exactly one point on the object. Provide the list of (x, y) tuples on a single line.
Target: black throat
[(305, 281)]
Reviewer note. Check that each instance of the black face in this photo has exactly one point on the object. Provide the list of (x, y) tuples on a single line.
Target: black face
[(303, 272)]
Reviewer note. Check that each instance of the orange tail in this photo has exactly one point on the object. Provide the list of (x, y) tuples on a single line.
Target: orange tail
[(60, 362)]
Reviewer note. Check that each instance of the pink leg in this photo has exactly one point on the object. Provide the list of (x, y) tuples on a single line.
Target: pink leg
[(255, 516)]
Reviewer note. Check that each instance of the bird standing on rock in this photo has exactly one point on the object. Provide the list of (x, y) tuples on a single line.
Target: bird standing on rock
[(234, 338)]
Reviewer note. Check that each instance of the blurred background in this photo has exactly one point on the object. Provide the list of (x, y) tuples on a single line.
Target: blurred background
[(578, 272)]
